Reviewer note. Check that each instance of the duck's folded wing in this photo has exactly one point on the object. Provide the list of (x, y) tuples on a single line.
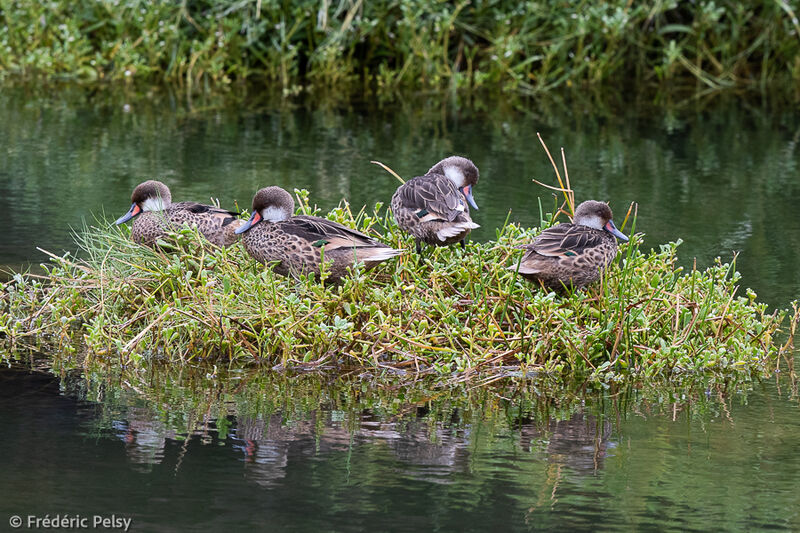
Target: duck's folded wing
[(432, 198), (225, 217), (565, 240), (327, 233)]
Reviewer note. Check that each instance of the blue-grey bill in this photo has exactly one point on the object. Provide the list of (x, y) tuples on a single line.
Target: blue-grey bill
[(249, 224), (468, 195), (612, 229), (132, 212)]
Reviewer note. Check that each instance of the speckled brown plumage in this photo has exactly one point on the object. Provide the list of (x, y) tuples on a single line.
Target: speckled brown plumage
[(572, 254), (154, 215), (433, 208), (297, 244)]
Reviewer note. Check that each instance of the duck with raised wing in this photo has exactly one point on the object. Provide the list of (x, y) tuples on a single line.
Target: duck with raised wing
[(434, 208), (154, 215), (572, 255), (298, 244)]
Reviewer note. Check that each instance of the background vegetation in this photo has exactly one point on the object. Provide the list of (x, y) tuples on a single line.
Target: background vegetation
[(517, 46)]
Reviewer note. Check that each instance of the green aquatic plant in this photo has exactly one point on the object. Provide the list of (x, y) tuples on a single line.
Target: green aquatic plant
[(459, 314), (526, 47)]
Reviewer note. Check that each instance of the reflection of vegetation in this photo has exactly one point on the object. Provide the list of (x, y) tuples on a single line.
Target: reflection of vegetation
[(185, 399), (455, 311), (363, 450), (526, 47), (573, 421)]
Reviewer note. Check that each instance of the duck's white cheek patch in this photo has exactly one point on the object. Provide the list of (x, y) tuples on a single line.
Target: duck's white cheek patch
[(153, 204), (455, 175), (273, 214), (592, 222)]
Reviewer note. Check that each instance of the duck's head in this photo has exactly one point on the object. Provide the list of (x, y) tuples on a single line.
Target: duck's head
[(597, 215), (271, 204), (151, 195), (462, 172)]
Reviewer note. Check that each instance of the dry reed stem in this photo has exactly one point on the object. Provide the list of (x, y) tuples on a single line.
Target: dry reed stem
[(134, 341), (571, 194), (64, 260), (389, 170), (568, 193), (635, 207)]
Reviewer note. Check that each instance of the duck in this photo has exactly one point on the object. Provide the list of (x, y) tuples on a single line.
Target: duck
[(154, 215), (572, 255), (298, 244), (434, 208)]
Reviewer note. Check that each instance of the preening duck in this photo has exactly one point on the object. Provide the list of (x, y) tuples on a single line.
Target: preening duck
[(434, 208)]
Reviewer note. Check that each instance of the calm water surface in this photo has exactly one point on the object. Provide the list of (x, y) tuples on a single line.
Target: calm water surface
[(176, 457), (721, 174)]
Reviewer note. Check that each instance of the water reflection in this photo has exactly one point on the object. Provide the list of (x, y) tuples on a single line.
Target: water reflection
[(157, 445), (265, 446), (144, 436), (422, 449), (579, 443)]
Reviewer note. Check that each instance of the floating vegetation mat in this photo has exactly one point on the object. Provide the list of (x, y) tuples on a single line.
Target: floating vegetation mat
[(459, 314)]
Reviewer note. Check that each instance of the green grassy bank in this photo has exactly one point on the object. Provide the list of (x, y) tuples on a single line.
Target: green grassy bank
[(458, 314), (523, 47)]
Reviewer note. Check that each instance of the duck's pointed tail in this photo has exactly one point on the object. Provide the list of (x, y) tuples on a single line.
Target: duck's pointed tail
[(454, 230)]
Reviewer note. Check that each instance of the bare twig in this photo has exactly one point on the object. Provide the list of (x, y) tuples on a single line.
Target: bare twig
[(569, 194), (389, 170)]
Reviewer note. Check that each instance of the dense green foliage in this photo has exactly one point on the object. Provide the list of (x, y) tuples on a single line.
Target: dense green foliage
[(453, 312), (516, 46)]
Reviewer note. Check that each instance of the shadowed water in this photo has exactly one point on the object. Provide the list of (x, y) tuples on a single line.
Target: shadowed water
[(200, 457)]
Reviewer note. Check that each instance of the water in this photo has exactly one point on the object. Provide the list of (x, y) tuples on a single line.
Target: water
[(200, 454), (177, 450), (721, 175)]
